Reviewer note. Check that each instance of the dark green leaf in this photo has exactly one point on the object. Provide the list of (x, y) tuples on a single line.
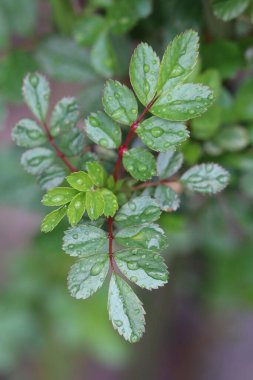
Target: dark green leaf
[(103, 131), (143, 71), (87, 29), (84, 241), (119, 103), (149, 236), (80, 181), (167, 199), (36, 160), (138, 211), (229, 9), (64, 117), (103, 57), (28, 134), (161, 135), (121, 17), (95, 204), (232, 138), (53, 218), (140, 163), (244, 101), (143, 267), (110, 201), (125, 310), (76, 208), (58, 196), (72, 143), (169, 163), (206, 178)]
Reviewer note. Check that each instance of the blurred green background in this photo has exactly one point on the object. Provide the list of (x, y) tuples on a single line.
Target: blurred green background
[(199, 326)]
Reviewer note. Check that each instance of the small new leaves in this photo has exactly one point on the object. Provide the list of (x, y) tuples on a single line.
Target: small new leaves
[(76, 208), (119, 103), (95, 204), (178, 61), (148, 235), (28, 134), (36, 160), (139, 163), (103, 131), (96, 173), (36, 93), (143, 71), (143, 267), (125, 310), (64, 116), (87, 275), (168, 163), (111, 203), (84, 241), (58, 196), (139, 210), (160, 135), (206, 178), (53, 218), (183, 102), (80, 181)]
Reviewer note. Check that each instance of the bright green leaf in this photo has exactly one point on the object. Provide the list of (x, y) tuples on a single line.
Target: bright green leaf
[(183, 102), (229, 9), (119, 102), (64, 117), (103, 56), (36, 160), (84, 241), (76, 208), (80, 181), (58, 196), (110, 201), (53, 218), (140, 163), (143, 71), (87, 275), (28, 134), (161, 135), (103, 131), (149, 236), (206, 178), (95, 204), (143, 267), (125, 310), (178, 61), (138, 211), (168, 163), (96, 173), (36, 94), (167, 198)]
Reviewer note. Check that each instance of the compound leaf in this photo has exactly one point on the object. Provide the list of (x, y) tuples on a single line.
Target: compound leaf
[(84, 241), (160, 135), (64, 117), (53, 218), (36, 160), (76, 208), (140, 163), (58, 196), (168, 163), (167, 198), (206, 178), (125, 310), (95, 204), (80, 181), (103, 131)]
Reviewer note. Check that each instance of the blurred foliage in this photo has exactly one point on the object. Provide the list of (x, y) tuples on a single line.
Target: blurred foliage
[(85, 45)]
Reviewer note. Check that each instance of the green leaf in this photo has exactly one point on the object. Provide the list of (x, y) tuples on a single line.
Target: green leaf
[(244, 101), (87, 275), (206, 178), (58, 196), (143, 71), (125, 310), (103, 56), (119, 103), (167, 198), (71, 143), (87, 29), (28, 134), (110, 201), (178, 61), (161, 135), (84, 241), (96, 173), (103, 131), (76, 208), (36, 93), (95, 204), (183, 102), (232, 138), (149, 236), (65, 116), (80, 181), (229, 9), (138, 211), (143, 267), (52, 177), (206, 126), (36, 160), (168, 163), (140, 163), (121, 17), (62, 59), (52, 219)]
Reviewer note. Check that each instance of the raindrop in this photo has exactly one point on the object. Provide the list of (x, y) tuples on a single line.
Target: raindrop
[(146, 68), (118, 112), (132, 265), (96, 269), (157, 131), (103, 142)]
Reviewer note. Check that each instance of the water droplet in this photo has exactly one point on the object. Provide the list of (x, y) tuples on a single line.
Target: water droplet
[(132, 265), (198, 98), (103, 142), (33, 134), (192, 112), (57, 198), (116, 95), (34, 80), (157, 131), (94, 121), (146, 87), (210, 96), (96, 269), (157, 275), (132, 205), (70, 246), (79, 181), (118, 323), (133, 278), (134, 338), (118, 112), (142, 168), (146, 68), (75, 236), (178, 70), (134, 111), (77, 204)]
